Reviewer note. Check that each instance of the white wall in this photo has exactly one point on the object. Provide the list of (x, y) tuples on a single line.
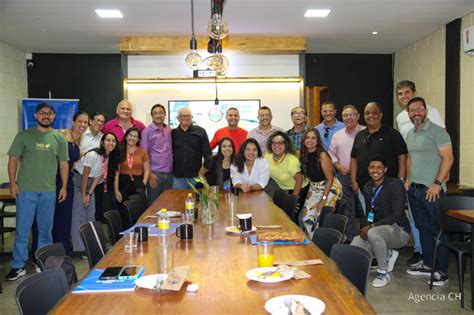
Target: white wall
[(279, 96), (13, 87)]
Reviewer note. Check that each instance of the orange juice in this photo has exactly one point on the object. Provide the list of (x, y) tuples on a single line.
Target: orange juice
[(265, 260)]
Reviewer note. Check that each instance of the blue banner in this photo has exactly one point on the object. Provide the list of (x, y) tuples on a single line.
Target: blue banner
[(65, 110)]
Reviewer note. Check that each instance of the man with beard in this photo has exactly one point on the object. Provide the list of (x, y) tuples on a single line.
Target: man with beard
[(264, 129), (430, 157), (38, 150), (233, 131)]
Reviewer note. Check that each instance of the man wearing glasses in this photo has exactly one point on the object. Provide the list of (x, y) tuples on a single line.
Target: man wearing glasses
[(340, 152), (190, 145), (38, 151), (298, 116), (376, 139), (330, 124), (430, 157)]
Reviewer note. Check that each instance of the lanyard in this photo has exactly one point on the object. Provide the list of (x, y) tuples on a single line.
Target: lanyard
[(104, 170), (130, 158), (372, 203)]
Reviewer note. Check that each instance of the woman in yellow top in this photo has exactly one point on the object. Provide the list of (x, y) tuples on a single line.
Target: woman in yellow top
[(285, 166)]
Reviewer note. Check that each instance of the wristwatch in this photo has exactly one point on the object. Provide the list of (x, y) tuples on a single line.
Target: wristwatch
[(437, 182), (403, 179), (325, 197)]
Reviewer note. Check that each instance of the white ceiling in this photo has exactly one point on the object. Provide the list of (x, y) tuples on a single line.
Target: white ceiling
[(71, 26)]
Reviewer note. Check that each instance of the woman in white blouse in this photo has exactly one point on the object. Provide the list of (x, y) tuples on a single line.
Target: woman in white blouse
[(96, 166), (250, 170)]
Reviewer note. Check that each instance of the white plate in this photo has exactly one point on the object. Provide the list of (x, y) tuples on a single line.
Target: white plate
[(276, 305), (236, 230), (171, 214), (254, 273), (148, 282)]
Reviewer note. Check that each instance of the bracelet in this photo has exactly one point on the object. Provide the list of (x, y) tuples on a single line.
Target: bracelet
[(90, 194)]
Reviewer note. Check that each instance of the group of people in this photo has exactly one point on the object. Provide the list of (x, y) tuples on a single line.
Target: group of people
[(63, 174)]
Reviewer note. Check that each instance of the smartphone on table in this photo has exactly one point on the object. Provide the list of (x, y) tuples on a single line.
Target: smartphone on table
[(111, 273), (130, 272)]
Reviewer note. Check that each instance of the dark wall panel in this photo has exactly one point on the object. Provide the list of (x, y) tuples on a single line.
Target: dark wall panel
[(354, 79), (95, 79)]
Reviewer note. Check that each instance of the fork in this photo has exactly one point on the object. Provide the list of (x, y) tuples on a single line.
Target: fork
[(158, 284), (288, 303)]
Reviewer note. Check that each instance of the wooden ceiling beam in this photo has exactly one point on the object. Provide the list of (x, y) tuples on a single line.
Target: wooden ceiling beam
[(170, 45)]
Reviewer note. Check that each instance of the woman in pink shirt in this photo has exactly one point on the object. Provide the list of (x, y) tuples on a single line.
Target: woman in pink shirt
[(123, 121)]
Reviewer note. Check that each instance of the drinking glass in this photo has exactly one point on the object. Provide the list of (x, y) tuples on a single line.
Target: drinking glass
[(265, 254), (130, 241)]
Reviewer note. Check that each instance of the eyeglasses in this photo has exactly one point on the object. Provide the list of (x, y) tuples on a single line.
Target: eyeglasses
[(132, 137), (278, 142), (326, 132), (417, 110), (185, 116), (367, 138), (371, 113), (45, 113), (349, 115), (298, 114), (99, 120)]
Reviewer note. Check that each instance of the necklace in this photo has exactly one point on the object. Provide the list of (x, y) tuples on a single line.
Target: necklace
[(76, 141), (277, 159)]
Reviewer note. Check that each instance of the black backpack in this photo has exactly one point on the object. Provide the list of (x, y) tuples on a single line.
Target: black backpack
[(66, 264)]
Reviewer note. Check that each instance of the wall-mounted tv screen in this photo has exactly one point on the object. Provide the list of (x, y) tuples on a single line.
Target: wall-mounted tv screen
[(211, 117)]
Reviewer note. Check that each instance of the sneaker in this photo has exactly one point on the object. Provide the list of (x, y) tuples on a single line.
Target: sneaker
[(415, 260), (37, 268), (381, 279), (15, 273), (374, 264), (392, 258), (439, 279), (420, 270)]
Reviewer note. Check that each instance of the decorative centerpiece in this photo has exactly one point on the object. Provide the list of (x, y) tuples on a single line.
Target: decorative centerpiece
[(209, 200)]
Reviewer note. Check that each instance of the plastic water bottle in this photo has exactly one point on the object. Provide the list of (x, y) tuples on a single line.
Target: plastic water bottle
[(189, 204), (163, 223)]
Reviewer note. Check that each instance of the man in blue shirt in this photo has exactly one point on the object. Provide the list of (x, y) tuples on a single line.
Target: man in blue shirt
[(330, 124)]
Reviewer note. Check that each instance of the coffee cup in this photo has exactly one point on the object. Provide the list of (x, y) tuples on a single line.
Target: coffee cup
[(142, 232), (245, 222), (185, 231)]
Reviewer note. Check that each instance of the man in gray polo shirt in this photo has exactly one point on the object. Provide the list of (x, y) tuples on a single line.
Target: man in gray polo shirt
[(430, 157)]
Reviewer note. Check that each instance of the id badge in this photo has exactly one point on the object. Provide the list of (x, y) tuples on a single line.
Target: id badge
[(370, 217)]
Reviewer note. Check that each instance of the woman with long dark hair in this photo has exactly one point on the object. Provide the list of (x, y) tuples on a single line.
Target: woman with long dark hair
[(134, 168), (216, 168), (96, 166), (324, 189), (250, 171)]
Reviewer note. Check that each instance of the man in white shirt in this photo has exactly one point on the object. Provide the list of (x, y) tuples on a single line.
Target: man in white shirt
[(264, 129), (406, 90), (93, 134)]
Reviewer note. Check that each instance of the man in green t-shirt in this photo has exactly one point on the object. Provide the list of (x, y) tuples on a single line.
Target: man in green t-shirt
[(37, 151)]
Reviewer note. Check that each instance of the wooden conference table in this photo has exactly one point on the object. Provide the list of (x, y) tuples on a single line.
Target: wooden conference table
[(218, 263), (467, 216)]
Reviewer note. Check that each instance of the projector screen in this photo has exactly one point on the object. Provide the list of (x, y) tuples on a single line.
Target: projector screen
[(211, 117)]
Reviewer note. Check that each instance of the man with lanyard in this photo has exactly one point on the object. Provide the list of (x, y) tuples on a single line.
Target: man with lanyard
[(385, 226), (430, 157), (38, 150), (233, 131), (330, 124), (376, 139), (298, 116), (91, 140), (340, 152), (190, 147), (156, 139), (406, 90), (264, 129)]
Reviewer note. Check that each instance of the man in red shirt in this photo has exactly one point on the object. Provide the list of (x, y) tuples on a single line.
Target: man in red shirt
[(233, 131)]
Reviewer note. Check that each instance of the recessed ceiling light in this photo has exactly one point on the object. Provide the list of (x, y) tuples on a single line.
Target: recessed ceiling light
[(375, 33), (316, 13), (109, 13)]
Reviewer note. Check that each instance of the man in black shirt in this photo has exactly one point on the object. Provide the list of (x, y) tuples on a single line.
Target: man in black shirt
[(376, 139), (190, 145), (385, 225)]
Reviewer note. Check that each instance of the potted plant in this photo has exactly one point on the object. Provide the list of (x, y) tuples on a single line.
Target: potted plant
[(208, 199)]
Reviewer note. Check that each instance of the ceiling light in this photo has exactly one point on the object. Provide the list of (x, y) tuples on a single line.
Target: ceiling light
[(316, 13), (375, 33), (109, 13)]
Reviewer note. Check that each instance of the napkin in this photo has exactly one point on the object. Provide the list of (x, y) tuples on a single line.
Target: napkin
[(300, 262), (176, 278)]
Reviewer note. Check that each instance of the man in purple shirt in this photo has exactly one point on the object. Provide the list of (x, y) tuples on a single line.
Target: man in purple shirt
[(340, 152), (156, 139)]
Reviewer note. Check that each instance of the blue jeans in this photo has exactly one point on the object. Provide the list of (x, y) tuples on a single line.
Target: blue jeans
[(182, 182), (31, 205), (414, 231), (165, 181), (425, 214)]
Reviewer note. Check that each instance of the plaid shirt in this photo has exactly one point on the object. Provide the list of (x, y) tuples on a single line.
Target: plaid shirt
[(296, 137)]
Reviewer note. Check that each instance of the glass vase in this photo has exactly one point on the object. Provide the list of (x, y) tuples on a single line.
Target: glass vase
[(208, 213)]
